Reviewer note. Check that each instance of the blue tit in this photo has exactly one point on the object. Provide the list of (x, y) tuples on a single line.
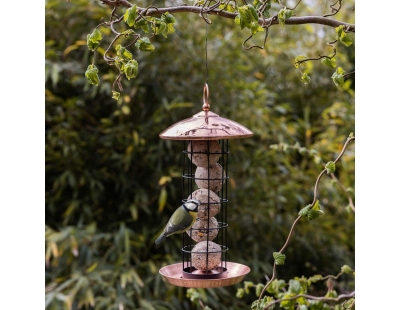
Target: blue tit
[(182, 219)]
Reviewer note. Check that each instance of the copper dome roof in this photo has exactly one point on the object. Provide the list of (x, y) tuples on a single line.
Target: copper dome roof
[(206, 125)]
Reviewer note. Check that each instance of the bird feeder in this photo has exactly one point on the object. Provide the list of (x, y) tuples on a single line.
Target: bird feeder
[(205, 174)]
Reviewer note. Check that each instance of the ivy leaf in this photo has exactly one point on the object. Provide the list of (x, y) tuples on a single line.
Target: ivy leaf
[(303, 212), (330, 167), (305, 78), (283, 16), (91, 75), (300, 58), (346, 269), (131, 69), (338, 77), (294, 287), (142, 24), (115, 95), (279, 258), (144, 45), (93, 40), (130, 15), (328, 62), (240, 293)]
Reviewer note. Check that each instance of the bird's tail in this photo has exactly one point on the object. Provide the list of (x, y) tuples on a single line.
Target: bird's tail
[(160, 239)]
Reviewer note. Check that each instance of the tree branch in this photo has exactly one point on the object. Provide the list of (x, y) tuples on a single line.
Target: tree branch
[(194, 9)]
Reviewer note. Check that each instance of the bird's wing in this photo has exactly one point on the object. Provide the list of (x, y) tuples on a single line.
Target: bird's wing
[(179, 222)]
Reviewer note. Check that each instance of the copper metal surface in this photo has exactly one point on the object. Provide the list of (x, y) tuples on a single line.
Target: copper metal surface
[(234, 275), (206, 125), (206, 105)]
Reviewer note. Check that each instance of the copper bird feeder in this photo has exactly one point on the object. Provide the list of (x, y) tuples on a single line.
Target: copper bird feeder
[(205, 139)]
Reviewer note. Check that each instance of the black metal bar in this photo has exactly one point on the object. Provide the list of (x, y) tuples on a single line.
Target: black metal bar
[(226, 205), (191, 196), (208, 200)]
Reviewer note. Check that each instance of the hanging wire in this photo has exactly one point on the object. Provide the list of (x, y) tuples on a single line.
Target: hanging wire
[(206, 52)]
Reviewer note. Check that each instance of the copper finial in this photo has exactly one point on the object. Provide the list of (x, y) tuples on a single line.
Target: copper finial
[(206, 105)]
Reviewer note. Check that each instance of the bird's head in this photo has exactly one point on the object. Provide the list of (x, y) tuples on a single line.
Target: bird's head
[(192, 205)]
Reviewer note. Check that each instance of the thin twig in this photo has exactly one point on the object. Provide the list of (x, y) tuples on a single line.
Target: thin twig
[(299, 217), (345, 190)]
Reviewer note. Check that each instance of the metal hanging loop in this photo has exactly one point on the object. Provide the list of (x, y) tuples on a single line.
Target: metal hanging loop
[(206, 94)]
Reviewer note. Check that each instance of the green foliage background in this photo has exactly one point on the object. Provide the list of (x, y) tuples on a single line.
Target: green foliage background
[(104, 159)]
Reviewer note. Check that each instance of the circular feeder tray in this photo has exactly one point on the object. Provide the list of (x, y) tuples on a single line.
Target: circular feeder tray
[(234, 274)]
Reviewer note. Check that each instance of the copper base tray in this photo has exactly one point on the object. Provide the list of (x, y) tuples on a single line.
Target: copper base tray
[(234, 275)]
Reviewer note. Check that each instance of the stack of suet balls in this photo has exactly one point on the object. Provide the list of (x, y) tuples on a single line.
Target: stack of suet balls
[(209, 177)]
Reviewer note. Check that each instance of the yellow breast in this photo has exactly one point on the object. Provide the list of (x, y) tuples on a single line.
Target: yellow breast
[(194, 216)]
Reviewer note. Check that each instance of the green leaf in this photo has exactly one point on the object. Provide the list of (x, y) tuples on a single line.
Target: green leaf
[(343, 36), (228, 8), (305, 78), (93, 40), (351, 135), (279, 258), (312, 214), (240, 293), (346, 269), (316, 206), (303, 212), (144, 45), (248, 18), (128, 33), (330, 167), (142, 24), (338, 77), (346, 40), (131, 70), (259, 289), (328, 62), (162, 199), (115, 95), (123, 52), (131, 15), (283, 16), (91, 75), (294, 287), (314, 279), (303, 307), (300, 58), (96, 35), (287, 303), (264, 302), (169, 18), (247, 286)]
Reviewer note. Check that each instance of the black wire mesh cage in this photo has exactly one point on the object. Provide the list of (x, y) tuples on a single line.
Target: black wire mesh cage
[(205, 245), (205, 178)]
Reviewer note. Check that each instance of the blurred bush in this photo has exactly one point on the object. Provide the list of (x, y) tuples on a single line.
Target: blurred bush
[(106, 166)]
